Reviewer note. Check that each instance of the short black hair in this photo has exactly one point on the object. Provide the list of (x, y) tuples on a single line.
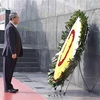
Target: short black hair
[(12, 15)]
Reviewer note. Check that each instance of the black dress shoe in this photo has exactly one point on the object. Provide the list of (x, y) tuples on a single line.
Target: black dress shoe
[(12, 90)]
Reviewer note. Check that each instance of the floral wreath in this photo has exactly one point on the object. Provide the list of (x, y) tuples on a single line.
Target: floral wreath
[(75, 60)]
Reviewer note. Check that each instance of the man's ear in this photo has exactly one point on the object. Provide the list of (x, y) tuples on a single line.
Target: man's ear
[(12, 19)]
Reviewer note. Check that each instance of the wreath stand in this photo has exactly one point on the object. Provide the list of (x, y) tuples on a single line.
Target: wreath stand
[(89, 90), (69, 81)]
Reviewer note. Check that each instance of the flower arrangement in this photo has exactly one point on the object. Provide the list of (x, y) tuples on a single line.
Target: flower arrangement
[(81, 45)]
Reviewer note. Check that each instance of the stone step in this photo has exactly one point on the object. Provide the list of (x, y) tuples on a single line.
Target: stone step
[(28, 63), (29, 50), (27, 69), (30, 54), (25, 64), (28, 59), (24, 59), (24, 69), (25, 51)]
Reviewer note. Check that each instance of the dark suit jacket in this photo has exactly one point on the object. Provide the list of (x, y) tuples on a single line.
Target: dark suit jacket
[(12, 42)]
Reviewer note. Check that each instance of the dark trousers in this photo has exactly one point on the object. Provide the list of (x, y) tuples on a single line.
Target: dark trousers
[(8, 69)]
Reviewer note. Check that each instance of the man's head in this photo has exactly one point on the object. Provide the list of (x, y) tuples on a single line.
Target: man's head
[(14, 18)]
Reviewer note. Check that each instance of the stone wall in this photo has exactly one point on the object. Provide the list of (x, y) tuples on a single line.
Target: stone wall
[(41, 26)]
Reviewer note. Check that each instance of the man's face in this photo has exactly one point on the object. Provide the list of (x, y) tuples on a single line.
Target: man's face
[(16, 20)]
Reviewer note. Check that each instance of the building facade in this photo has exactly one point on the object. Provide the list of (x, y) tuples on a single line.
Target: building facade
[(41, 26)]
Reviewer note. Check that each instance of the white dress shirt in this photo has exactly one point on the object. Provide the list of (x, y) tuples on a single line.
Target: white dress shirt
[(12, 23)]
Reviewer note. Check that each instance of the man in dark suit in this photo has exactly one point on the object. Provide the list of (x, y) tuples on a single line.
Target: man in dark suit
[(12, 50)]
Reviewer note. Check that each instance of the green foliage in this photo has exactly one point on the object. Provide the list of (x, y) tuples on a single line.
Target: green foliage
[(80, 49)]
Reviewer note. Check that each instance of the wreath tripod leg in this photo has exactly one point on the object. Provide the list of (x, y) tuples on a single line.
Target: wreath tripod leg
[(94, 86), (61, 89), (68, 84), (84, 79)]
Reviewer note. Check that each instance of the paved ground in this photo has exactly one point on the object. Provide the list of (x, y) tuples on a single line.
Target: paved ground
[(38, 82)]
